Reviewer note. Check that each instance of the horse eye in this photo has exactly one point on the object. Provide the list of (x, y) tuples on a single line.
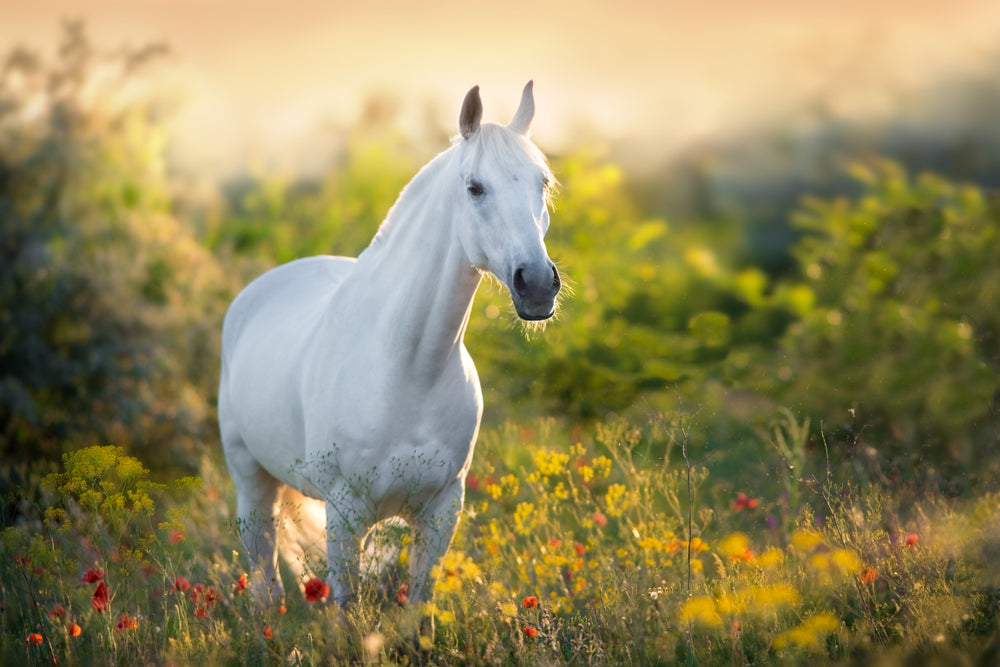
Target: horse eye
[(476, 189)]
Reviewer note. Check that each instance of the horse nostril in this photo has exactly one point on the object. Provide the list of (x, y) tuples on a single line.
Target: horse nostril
[(556, 282), (519, 284)]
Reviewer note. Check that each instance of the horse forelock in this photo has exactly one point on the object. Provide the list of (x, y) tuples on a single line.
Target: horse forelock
[(510, 151)]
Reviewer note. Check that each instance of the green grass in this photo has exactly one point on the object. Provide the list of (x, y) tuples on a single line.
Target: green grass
[(614, 546)]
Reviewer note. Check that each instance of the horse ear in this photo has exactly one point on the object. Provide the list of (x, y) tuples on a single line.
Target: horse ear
[(521, 122), (472, 113)]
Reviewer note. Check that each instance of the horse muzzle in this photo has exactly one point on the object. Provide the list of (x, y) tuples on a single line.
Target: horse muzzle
[(533, 291)]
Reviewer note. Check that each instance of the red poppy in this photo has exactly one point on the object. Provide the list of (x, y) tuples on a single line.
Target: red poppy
[(92, 575), (530, 602), (181, 584), (282, 609), (241, 584), (401, 595), (744, 502), (99, 601), (126, 622), (34, 639), (579, 549), (267, 633), (75, 630), (530, 631), (316, 590), (912, 539), (600, 519), (177, 536), (57, 612), (868, 576)]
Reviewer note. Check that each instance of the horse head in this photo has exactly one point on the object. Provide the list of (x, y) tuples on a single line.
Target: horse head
[(504, 187)]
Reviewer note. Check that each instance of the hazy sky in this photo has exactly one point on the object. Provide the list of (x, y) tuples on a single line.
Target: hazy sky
[(259, 77)]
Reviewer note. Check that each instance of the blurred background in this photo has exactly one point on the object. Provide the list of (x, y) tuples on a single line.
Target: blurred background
[(779, 204)]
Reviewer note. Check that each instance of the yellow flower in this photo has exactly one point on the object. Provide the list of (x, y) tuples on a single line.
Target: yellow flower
[(550, 463), (735, 546), (615, 499), (806, 540), (601, 466), (809, 633), (700, 610), (770, 558), (524, 518), (846, 561)]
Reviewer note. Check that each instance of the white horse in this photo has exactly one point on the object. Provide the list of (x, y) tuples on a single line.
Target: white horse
[(348, 380)]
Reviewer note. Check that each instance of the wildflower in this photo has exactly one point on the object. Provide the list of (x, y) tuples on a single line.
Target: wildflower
[(806, 540), (701, 611), (736, 547), (34, 639), (181, 584), (57, 612), (600, 519), (809, 633), (92, 575), (579, 549), (201, 612), (267, 633), (555, 543), (868, 576), (316, 590), (744, 502), (530, 602), (912, 539), (401, 595), (615, 499), (530, 631), (176, 536), (524, 519), (75, 630), (99, 601), (240, 585), (282, 609), (126, 622)]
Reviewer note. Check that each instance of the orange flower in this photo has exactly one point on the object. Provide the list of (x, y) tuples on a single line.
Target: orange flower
[(177, 536), (282, 609), (912, 539), (267, 633), (530, 602), (75, 630), (401, 595), (92, 575), (99, 601), (126, 622), (241, 584), (34, 639), (530, 631), (868, 576), (579, 549), (316, 590)]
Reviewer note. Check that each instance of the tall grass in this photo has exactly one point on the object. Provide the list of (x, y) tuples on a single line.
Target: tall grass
[(613, 546)]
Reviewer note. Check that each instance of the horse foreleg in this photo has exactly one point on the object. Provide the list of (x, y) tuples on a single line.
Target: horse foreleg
[(433, 529), (348, 521), (256, 520)]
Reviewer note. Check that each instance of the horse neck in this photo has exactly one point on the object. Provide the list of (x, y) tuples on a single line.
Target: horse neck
[(422, 283)]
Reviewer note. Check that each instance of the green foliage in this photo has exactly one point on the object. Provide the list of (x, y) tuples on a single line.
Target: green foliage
[(901, 334), (111, 307)]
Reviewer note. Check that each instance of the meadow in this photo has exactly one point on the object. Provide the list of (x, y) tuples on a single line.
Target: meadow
[(762, 429)]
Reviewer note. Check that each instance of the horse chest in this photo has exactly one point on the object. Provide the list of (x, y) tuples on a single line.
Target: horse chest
[(392, 441)]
